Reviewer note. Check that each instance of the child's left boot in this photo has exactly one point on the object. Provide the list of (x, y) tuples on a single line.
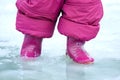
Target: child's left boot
[(31, 46), (76, 51)]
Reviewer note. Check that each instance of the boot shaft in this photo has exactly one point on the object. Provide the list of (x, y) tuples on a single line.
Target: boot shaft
[(31, 46)]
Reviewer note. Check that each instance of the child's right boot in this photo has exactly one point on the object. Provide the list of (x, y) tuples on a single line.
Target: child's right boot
[(31, 46)]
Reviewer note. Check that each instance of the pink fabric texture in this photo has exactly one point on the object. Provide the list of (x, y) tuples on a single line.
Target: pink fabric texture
[(31, 46), (76, 51), (80, 18)]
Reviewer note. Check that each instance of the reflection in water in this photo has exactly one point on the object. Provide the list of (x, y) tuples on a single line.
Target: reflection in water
[(58, 68), (75, 71), (103, 69), (45, 68)]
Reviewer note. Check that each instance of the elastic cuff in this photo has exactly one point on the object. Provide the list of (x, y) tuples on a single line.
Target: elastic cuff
[(77, 30), (35, 27)]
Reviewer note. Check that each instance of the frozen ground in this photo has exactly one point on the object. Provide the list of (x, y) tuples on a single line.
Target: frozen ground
[(53, 64)]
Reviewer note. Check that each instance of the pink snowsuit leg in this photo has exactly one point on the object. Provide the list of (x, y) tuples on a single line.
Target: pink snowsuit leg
[(37, 17), (80, 19)]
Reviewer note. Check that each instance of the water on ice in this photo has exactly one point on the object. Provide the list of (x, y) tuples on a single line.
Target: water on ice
[(53, 63)]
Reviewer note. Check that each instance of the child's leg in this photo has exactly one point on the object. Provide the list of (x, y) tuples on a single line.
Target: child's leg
[(80, 21), (36, 19)]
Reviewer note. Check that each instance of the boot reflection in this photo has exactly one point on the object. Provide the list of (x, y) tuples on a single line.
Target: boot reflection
[(75, 71)]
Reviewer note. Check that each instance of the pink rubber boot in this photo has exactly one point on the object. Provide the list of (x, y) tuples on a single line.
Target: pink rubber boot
[(31, 46), (76, 51)]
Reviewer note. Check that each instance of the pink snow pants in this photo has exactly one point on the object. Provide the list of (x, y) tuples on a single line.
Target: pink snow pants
[(80, 18)]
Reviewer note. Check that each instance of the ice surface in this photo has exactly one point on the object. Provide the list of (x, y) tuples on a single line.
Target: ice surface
[(53, 64)]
